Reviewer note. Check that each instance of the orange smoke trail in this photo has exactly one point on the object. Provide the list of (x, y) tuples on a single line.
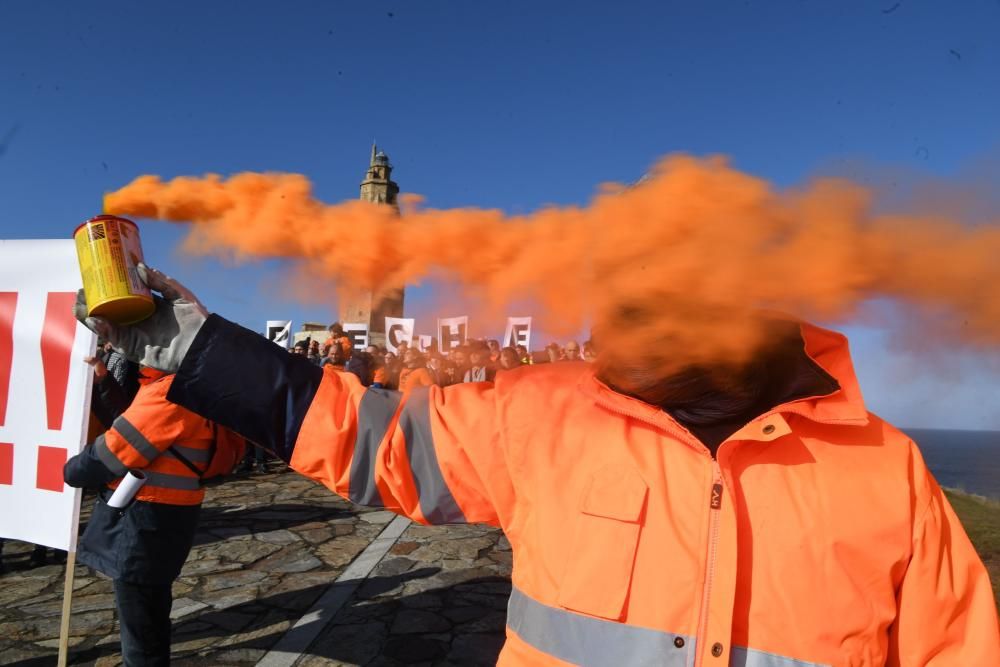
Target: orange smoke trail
[(681, 263)]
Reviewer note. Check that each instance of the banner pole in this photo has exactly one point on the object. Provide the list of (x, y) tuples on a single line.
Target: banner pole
[(67, 606)]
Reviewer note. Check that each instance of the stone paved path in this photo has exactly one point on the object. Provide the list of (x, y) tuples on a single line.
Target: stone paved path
[(268, 547)]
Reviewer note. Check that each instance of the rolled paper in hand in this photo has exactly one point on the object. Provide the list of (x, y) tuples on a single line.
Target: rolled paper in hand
[(129, 486)]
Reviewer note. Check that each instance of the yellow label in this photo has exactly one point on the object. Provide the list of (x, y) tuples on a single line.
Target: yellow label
[(109, 252)]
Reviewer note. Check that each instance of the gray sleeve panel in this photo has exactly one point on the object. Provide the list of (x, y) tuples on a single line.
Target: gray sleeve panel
[(192, 454), (108, 458), (168, 481), (375, 413), (437, 503), (135, 438)]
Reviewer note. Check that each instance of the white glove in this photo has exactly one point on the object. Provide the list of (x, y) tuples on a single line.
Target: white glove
[(161, 340)]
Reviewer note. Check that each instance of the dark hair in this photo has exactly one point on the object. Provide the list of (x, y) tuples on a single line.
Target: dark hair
[(695, 395), (512, 352), (361, 364), (709, 394)]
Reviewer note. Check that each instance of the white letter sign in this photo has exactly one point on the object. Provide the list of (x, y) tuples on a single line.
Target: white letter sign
[(358, 333), (452, 332), (518, 332), (280, 332), (398, 330)]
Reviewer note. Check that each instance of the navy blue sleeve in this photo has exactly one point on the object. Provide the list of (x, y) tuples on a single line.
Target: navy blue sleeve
[(108, 400), (239, 379), (85, 470)]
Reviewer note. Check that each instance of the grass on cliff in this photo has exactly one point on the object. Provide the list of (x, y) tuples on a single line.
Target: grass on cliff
[(981, 519)]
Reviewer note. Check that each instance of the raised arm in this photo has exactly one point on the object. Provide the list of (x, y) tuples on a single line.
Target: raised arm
[(436, 456)]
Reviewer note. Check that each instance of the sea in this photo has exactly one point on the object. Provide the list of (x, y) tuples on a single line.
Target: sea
[(964, 460)]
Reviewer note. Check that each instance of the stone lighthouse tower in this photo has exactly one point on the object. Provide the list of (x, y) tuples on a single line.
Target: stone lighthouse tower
[(377, 187)]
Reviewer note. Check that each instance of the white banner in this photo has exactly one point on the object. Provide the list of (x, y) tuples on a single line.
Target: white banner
[(424, 342), (280, 332), (398, 330), (358, 333), (518, 332), (452, 332), (44, 390)]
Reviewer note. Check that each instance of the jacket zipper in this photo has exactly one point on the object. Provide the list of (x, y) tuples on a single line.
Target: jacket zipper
[(715, 506)]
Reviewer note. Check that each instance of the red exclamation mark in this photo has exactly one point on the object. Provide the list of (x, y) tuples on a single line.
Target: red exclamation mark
[(58, 332), (8, 304)]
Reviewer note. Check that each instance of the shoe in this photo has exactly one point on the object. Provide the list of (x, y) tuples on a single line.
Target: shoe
[(262, 468), (40, 557)]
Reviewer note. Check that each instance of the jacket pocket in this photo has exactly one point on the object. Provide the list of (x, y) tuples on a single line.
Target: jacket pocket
[(599, 572), (100, 545)]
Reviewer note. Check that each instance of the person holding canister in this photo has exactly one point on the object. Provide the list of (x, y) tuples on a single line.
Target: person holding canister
[(143, 543), (752, 515), (162, 453)]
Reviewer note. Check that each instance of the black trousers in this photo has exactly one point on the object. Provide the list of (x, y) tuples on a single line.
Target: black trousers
[(254, 454), (144, 614)]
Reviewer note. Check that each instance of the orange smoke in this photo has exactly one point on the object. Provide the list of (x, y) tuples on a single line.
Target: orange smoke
[(681, 263)]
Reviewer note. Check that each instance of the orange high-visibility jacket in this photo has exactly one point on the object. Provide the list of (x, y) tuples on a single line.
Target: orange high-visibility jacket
[(817, 536), (141, 437), (412, 378)]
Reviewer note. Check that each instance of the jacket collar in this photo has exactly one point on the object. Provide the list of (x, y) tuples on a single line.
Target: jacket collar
[(827, 349), (831, 352), (147, 375)]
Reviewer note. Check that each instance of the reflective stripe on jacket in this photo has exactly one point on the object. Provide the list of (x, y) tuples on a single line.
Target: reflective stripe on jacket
[(141, 436), (817, 537)]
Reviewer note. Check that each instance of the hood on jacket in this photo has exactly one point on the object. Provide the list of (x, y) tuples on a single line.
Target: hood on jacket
[(801, 363)]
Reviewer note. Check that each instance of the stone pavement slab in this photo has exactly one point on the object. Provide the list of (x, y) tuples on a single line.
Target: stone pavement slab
[(267, 548)]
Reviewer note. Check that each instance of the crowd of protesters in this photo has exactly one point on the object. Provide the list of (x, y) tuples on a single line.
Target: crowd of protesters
[(475, 361)]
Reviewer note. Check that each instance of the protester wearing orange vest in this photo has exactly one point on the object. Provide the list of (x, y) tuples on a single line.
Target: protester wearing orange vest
[(777, 523), (143, 547), (414, 373)]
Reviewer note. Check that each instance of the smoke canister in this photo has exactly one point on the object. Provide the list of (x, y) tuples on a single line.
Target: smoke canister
[(109, 251)]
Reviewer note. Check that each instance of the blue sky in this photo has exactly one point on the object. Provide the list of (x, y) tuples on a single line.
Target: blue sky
[(510, 105)]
